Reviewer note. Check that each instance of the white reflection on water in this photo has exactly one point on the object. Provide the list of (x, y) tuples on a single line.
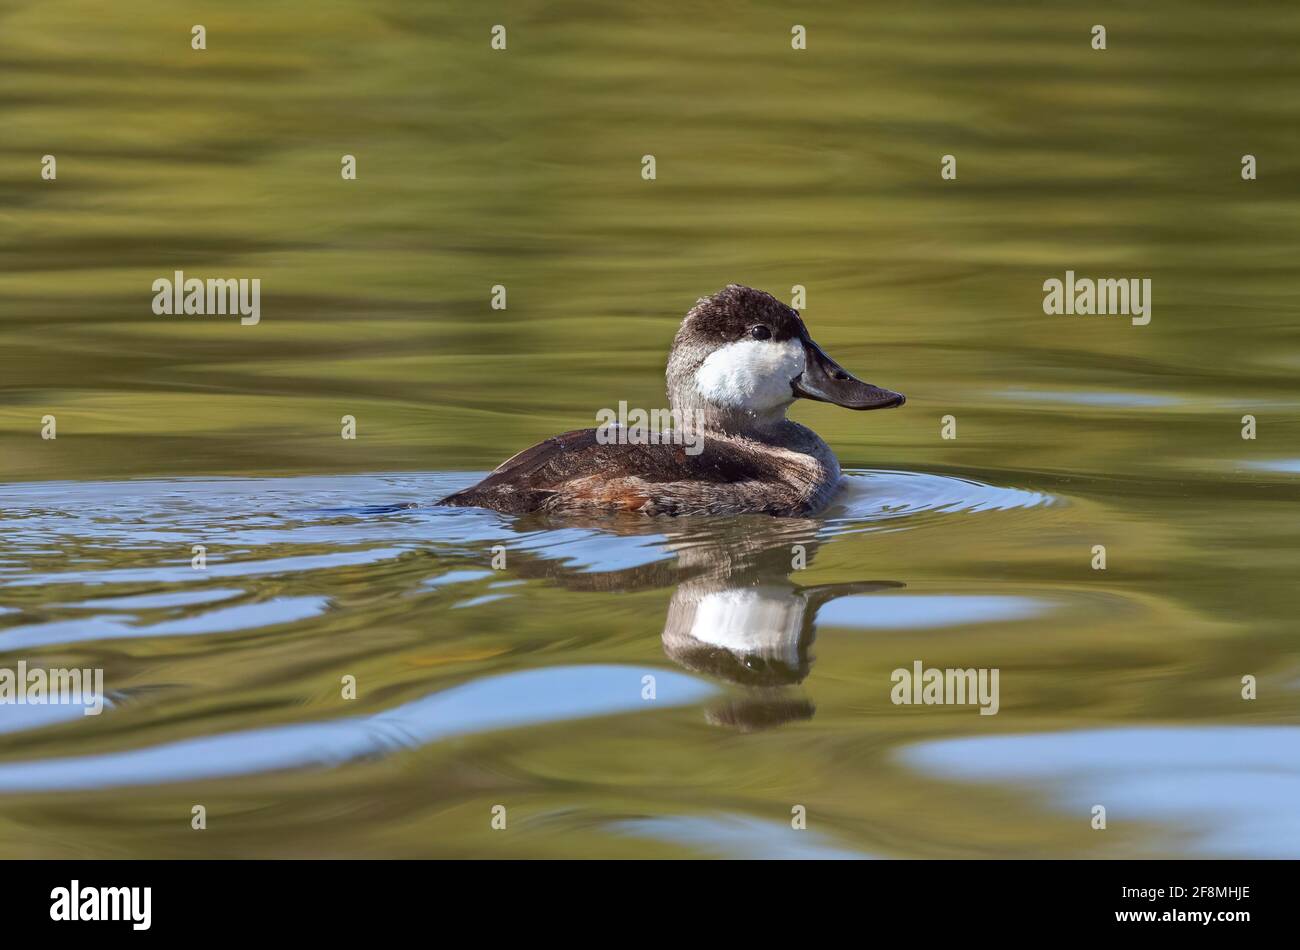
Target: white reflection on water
[(1234, 790)]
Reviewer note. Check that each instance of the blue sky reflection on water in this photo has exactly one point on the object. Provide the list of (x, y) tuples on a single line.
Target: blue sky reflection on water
[(1233, 791), (521, 699)]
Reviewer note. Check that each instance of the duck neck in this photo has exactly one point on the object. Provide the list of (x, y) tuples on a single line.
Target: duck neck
[(695, 415)]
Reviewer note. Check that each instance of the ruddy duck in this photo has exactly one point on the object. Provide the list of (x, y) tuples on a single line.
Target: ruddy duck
[(740, 358)]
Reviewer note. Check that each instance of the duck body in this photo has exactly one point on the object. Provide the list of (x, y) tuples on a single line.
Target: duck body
[(740, 358), (577, 473)]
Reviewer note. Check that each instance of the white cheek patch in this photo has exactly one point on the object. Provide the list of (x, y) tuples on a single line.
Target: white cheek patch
[(751, 374)]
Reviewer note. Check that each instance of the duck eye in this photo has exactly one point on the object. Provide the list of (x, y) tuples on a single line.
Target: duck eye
[(760, 332)]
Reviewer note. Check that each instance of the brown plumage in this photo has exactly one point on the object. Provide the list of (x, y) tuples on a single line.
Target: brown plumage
[(573, 472)]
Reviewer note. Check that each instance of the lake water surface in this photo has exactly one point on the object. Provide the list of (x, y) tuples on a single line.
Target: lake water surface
[(525, 686)]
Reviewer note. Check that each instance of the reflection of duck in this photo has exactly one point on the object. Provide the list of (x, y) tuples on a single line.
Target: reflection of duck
[(739, 360), (735, 614), (755, 635)]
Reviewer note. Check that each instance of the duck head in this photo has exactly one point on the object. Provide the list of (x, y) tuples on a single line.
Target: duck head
[(741, 357)]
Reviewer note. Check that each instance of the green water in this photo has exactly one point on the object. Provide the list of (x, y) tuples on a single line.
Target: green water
[(775, 168)]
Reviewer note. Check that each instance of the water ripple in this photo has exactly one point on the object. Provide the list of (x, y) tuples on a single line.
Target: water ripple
[(494, 702)]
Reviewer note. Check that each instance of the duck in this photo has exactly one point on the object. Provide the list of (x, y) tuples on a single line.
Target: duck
[(738, 362)]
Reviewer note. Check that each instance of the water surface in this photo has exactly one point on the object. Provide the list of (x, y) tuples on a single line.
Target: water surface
[(524, 686)]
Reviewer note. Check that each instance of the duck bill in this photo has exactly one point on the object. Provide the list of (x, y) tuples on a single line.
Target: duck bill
[(825, 380)]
